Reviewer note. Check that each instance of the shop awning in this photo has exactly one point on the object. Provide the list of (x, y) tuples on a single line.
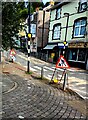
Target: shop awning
[(49, 47)]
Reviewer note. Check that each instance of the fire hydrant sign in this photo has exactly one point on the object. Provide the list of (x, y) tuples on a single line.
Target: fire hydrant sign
[(61, 63)]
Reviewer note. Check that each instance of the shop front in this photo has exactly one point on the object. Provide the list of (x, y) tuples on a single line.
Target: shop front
[(53, 51), (50, 53), (78, 55)]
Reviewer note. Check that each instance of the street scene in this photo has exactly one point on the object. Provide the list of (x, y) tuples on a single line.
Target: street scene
[(26, 96), (44, 60)]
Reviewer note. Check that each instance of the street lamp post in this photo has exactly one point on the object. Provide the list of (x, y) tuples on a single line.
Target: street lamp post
[(43, 27), (65, 42), (64, 51), (44, 10), (28, 63)]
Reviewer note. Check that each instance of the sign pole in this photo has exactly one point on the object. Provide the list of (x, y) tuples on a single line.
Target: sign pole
[(53, 75), (64, 52), (28, 63), (62, 63)]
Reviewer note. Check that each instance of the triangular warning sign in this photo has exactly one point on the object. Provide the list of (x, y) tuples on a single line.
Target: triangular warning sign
[(61, 63), (12, 52)]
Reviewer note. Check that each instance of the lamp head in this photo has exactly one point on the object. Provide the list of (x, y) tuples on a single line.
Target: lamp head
[(66, 14)]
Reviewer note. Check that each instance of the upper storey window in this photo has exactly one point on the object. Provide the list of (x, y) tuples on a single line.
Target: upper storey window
[(58, 13), (80, 28), (56, 31), (82, 5)]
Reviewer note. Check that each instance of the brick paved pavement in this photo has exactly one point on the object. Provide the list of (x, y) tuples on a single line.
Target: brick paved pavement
[(31, 98)]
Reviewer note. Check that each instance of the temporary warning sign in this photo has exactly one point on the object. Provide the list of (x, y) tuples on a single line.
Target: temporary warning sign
[(61, 63), (12, 52)]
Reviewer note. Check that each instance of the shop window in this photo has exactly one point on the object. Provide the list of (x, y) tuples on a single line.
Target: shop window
[(56, 31), (81, 55), (82, 5), (80, 28), (72, 54), (77, 55), (58, 13)]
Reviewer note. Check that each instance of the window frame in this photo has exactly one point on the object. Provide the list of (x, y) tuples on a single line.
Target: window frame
[(58, 13), (56, 25), (80, 9), (79, 27)]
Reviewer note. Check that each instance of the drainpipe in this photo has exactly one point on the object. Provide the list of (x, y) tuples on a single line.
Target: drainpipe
[(43, 27)]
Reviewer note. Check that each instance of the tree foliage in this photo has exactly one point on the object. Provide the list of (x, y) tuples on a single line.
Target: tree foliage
[(13, 13), (10, 23)]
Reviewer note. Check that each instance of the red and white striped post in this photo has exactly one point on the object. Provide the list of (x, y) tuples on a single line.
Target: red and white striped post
[(29, 36)]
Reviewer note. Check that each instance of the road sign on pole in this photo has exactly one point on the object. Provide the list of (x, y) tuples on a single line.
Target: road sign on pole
[(62, 63)]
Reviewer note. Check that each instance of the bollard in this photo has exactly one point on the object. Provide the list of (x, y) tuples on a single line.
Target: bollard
[(64, 83), (0, 56), (67, 79), (42, 72)]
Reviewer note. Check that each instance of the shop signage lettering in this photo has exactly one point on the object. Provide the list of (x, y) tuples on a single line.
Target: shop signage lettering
[(77, 45)]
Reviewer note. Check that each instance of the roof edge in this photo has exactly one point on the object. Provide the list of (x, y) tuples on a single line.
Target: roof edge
[(60, 4)]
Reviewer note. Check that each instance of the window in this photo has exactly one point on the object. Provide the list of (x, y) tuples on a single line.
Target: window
[(77, 55), (56, 31), (32, 17), (80, 28), (82, 5), (72, 54), (33, 30), (81, 55), (58, 13)]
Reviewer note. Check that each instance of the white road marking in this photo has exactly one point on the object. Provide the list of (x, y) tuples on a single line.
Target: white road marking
[(81, 73), (32, 69), (45, 70), (22, 57), (58, 69), (49, 76), (49, 68), (73, 70), (37, 67), (59, 75), (52, 69)]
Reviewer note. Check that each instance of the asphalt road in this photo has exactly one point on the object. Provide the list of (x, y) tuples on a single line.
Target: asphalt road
[(36, 66)]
